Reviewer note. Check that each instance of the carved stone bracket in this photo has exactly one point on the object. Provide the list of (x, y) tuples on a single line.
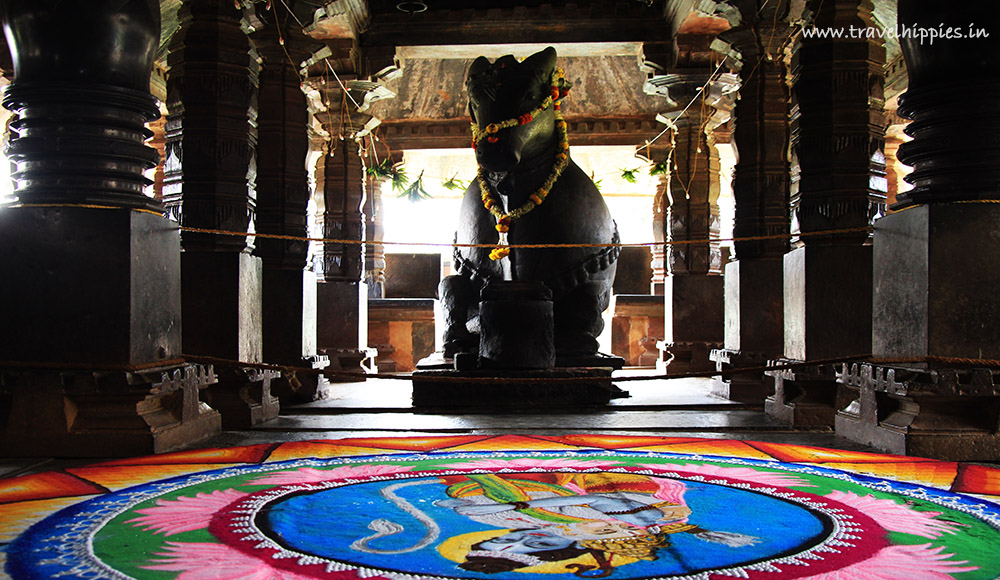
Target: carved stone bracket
[(804, 397), (949, 414), (97, 414)]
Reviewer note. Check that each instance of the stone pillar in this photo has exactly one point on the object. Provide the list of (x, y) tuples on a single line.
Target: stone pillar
[(374, 251), (288, 286), (754, 329), (837, 139), (658, 154), (209, 183), (693, 288), (936, 301), (91, 291), (342, 293)]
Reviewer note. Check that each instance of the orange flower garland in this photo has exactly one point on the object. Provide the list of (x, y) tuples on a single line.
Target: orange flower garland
[(493, 205)]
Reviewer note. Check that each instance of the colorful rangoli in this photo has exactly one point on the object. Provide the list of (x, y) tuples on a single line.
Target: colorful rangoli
[(506, 507)]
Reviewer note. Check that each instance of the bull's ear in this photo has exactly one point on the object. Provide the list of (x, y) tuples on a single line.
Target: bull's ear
[(543, 61), (479, 65)]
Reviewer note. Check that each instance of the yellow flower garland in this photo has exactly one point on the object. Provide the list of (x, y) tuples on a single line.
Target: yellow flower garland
[(535, 199)]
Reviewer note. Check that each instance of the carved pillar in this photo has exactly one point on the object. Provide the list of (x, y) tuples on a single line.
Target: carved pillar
[(342, 293), (754, 330), (693, 288), (209, 183), (288, 287), (837, 138), (91, 294), (935, 284), (659, 155), (374, 251)]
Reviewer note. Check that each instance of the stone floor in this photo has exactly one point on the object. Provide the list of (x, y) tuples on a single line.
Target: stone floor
[(381, 407)]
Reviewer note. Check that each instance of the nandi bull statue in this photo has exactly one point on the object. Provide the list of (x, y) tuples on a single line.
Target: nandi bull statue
[(529, 191)]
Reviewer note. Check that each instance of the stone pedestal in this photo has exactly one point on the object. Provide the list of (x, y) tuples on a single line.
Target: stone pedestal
[(753, 328), (636, 327), (342, 325), (402, 329), (693, 326), (827, 312), (491, 389)]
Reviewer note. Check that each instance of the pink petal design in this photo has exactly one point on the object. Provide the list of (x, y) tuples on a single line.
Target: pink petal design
[(670, 490), (741, 473), (185, 514), (311, 475), (900, 563), (525, 463), (204, 561), (896, 517)]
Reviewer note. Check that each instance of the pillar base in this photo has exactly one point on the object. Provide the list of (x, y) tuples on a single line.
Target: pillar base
[(947, 414), (685, 357), (804, 397), (752, 387), (243, 397), (304, 388), (105, 413)]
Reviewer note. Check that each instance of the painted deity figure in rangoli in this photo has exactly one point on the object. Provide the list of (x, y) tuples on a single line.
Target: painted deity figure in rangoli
[(529, 191)]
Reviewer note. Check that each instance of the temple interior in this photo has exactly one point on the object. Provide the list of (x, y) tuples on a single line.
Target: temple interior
[(226, 222)]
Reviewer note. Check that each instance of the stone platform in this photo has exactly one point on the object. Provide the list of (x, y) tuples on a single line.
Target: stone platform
[(496, 389)]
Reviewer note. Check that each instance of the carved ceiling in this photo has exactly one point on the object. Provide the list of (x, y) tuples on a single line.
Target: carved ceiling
[(607, 48)]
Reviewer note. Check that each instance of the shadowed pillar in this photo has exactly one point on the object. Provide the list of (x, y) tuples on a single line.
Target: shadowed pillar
[(837, 138), (693, 287), (209, 183), (91, 289), (343, 294), (288, 287), (936, 308), (754, 331)]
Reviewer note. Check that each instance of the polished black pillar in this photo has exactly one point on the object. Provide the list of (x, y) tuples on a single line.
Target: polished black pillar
[(288, 286), (92, 272), (209, 182), (754, 329), (936, 309), (837, 192)]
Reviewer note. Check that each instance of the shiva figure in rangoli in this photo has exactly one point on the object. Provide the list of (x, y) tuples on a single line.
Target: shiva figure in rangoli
[(577, 522)]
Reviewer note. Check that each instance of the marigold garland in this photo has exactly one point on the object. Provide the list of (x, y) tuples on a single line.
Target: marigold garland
[(559, 91)]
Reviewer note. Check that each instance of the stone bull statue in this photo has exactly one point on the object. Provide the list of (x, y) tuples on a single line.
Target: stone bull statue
[(529, 191)]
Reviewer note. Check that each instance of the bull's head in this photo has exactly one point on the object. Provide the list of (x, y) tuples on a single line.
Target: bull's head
[(507, 89)]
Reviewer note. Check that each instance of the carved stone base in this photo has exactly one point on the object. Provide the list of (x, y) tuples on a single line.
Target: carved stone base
[(948, 414), (243, 397), (104, 414), (804, 397), (304, 388), (352, 361), (686, 357), (594, 388), (750, 387)]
